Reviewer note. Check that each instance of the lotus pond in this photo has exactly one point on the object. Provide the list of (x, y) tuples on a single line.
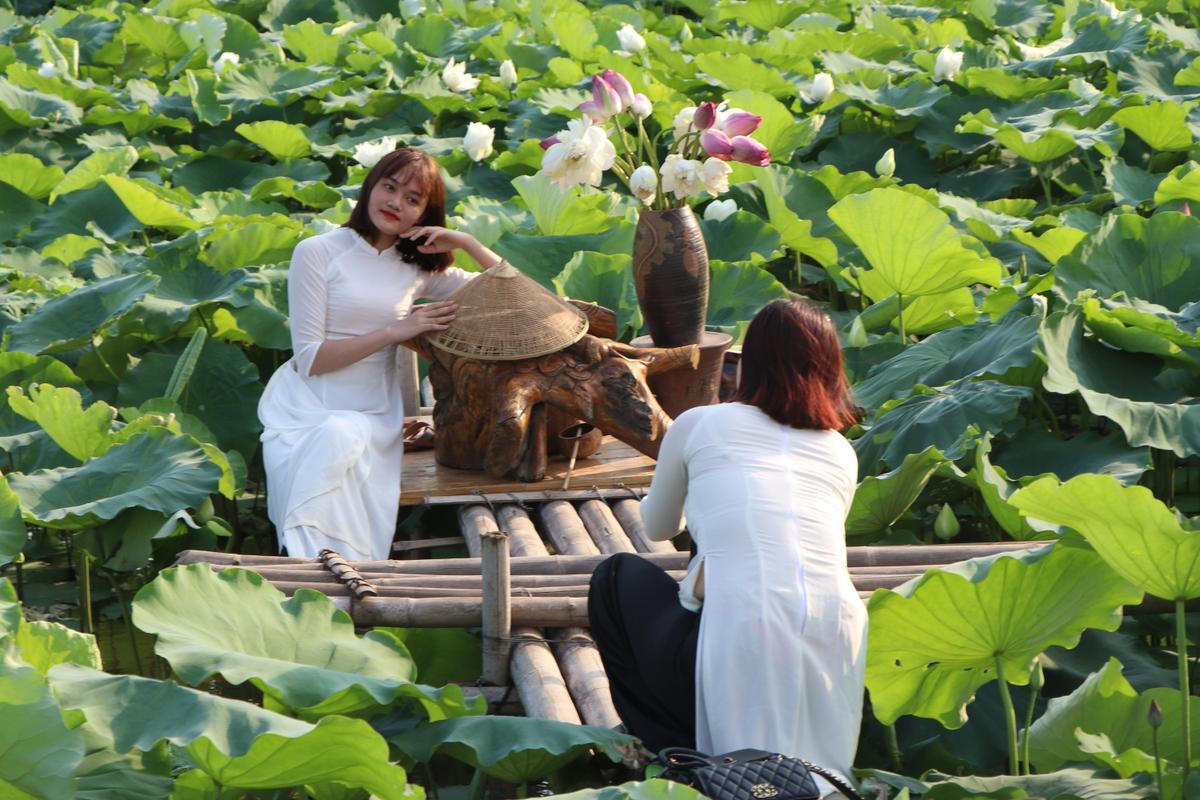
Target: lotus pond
[(992, 199)]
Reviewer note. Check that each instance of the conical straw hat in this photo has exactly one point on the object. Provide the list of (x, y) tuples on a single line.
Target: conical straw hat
[(504, 315)]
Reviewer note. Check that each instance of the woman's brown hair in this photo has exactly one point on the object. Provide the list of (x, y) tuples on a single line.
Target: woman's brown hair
[(405, 164), (792, 367)]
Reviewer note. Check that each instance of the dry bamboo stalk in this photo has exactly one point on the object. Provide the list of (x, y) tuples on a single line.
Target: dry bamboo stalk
[(540, 683), (346, 574), (603, 527), (629, 513), (523, 539), (586, 679), (496, 607), (474, 521), (539, 496), (565, 529)]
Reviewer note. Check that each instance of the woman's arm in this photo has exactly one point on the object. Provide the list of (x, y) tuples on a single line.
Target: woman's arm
[(662, 507), (333, 354), (443, 240)]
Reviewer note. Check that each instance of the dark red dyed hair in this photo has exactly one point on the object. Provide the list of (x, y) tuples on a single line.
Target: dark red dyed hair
[(404, 164), (792, 367)]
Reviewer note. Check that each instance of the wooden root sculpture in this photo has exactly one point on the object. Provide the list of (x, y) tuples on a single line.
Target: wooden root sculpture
[(493, 415)]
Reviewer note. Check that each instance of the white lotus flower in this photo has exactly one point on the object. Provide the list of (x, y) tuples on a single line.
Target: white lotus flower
[(885, 167), (456, 78), (683, 122), (580, 155), (715, 174), (948, 63), (630, 39), (681, 176), (47, 70), (478, 141), (369, 153), (225, 61), (508, 73), (411, 8), (822, 87), (644, 183), (718, 210)]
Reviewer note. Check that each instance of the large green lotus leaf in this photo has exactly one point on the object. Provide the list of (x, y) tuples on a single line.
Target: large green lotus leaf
[(13, 533), (795, 226), (160, 36), (1181, 183), (38, 752), (1134, 531), (995, 489), (606, 280), (1106, 703), (314, 194), (59, 411), (652, 789), (84, 213), (17, 211), (560, 212), (43, 644), (1066, 784), (513, 749), (1034, 451), (280, 139), (181, 291), (741, 236), (983, 349), (23, 370), (1110, 41), (300, 651), (1163, 126), (28, 174), (736, 71), (157, 470), (313, 43), (544, 257), (273, 84), (213, 173), (241, 244), (1152, 406), (1129, 184), (148, 207), (913, 98), (70, 319), (1150, 259), (880, 500), (911, 245), (938, 417), (737, 292), (1042, 144), (91, 170), (223, 390), (33, 109), (779, 131), (935, 640), (1142, 327), (239, 745), (105, 774)]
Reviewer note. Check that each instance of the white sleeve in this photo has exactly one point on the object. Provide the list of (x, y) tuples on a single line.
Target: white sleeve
[(662, 507), (440, 285), (307, 292)]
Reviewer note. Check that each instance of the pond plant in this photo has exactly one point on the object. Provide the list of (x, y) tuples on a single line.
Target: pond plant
[(993, 200)]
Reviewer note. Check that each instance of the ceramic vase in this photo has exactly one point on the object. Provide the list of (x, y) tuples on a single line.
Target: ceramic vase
[(670, 273)]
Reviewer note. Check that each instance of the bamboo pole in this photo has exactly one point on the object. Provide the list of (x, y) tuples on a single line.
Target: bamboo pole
[(603, 527), (586, 679), (523, 539), (566, 530), (629, 513), (496, 608), (540, 683)]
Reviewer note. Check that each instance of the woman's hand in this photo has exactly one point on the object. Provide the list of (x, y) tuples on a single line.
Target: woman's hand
[(423, 319), (436, 239)]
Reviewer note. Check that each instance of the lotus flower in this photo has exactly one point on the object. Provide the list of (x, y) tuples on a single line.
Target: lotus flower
[(885, 167), (630, 39), (47, 70), (718, 210), (411, 8), (716, 144), (225, 61), (822, 87), (750, 151), (581, 155), (605, 101), (736, 122), (705, 116), (548, 141), (948, 63), (683, 122), (369, 153), (644, 183), (508, 73), (456, 78), (641, 106), (682, 176), (715, 174), (478, 141), (620, 85)]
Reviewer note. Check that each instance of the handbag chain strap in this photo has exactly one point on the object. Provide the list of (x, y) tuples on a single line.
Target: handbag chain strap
[(836, 780)]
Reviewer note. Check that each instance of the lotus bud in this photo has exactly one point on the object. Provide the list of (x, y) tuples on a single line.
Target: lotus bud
[(630, 39), (736, 122), (948, 63), (47, 70), (508, 73), (549, 141), (1037, 678), (683, 122), (641, 106), (885, 167), (716, 144), (685, 33), (478, 141), (750, 151), (718, 210), (620, 85), (705, 116), (605, 101), (1185, 209), (455, 76), (225, 61), (946, 526), (822, 87), (1154, 716), (644, 183), (857, 336)]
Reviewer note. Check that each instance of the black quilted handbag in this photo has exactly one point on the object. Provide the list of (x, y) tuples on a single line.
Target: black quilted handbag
[(747, 775)]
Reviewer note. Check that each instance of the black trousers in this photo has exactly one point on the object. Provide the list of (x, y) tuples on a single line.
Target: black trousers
[(647, 642)]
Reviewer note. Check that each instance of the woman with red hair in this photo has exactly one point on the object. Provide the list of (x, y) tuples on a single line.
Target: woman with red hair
[(763, 644)]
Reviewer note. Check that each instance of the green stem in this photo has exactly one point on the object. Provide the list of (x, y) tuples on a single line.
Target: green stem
[(1033, 695), (1157, 762), (1184, 686), (107, 367), (893, 747), (127, 618), (647, 149), (1050, 418), (430, 790), (1045, 189), (85, 591), (900, 317), (478, 784), (1010, 718)]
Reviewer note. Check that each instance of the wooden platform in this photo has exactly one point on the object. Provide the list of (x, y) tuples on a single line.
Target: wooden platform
[(615, 470)]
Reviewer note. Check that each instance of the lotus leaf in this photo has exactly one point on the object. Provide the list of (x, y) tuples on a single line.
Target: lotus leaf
[(880, 500), (544, 257), (1142, 327), (300, 651), (313, 43), (84, 433), (148, 207), (1111, 42), (1052, 244), (281, 140), (18, 211), (738, 291), (69, 320), (995, 489), (740, 237), (1181, 183), (272, 84), (1162, 125), (33, 109), (180, 292), (779, 131), (513, 749), (736, 71), (603, 279), (1136, 534), (91, 170), (936, 639), (779, 188), (235, 743), (29, 175), (1065, 784), (157, 470), (43, 644), (1129, 184), (1034, 451), (13, 533), (652, 789), (561, 212), (913, 98), (90, 211)]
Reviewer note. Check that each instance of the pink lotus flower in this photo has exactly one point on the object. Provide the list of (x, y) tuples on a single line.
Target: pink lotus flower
[(605, 101), (641, 107), (706, 115), (740, 123), (716, 144), (620, 85), (549, 141), (749, 151)]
